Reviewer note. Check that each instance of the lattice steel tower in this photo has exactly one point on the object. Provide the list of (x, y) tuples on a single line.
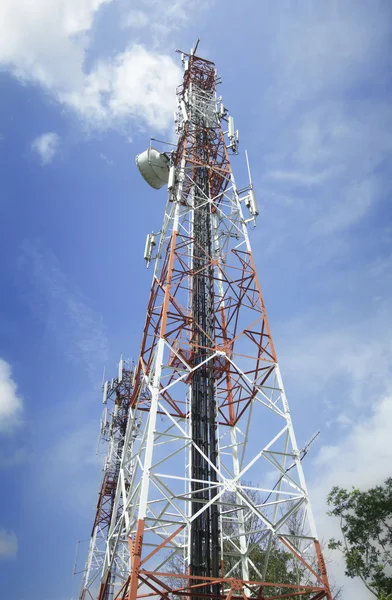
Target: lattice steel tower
[(210, 498)]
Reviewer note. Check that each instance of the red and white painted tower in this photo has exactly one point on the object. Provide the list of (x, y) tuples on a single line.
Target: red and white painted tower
[(210, 499)]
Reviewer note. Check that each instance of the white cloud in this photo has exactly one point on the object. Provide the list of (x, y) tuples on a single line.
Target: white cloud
[(46, 146), (330, 125), (136, 84), (71, 468), (10, 402), (340, 153), (47, 42), (342, 420), (348, 368), (324, 47), (107, 160), (299, 177), (161, 19), (365, 449), (8, 544), (354, 203), (345, 368), (361, 459), (135, 19)]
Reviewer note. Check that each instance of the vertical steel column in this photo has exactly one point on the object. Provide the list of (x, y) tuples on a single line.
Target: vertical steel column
[(205, 544)]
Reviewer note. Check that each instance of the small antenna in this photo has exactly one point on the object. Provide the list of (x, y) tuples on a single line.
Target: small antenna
[(75, 572), (247, 164), (99, 439), (196, 46), (105, 392), (162, 142), (120, 369), (103, 375), (76, 560), (309, 443), (76, 556)]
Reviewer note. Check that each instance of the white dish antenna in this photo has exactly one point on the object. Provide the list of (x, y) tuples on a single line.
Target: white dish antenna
[(154, 167)]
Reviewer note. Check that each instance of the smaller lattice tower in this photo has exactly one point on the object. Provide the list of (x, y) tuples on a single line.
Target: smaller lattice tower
[(117, 395), (203, 495)]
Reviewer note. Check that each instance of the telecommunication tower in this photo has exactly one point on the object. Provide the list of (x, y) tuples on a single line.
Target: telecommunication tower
[(204, 489)]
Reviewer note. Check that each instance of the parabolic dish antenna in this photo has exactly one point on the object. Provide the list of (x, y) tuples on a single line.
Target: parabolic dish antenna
[(154, 167)]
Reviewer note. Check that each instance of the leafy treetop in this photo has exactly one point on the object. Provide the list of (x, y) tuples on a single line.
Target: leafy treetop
[(366, 525)]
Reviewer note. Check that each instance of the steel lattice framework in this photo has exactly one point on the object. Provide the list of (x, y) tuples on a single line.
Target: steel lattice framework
[(210, 473), (117, 397)]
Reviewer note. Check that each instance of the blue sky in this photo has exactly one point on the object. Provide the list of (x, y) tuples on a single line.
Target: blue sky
[(84, 84)]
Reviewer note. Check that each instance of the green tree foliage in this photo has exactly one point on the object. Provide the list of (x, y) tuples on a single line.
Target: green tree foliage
[(366, 525), (280, 564), (282, 567)]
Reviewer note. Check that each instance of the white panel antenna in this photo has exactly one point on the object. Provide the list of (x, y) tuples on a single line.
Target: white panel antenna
[(172, 178), (231, 128), (184, 111), (105, 392), (232, 135), (253, 208), (149, 247), (250, 200)]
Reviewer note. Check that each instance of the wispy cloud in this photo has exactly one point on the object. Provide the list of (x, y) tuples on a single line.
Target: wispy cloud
[(366, 451), (321, 49), (72, 466), (329, 135), (353, 204), (74, 326), (107, 160), (341, 369), (11, 403), (46, 146), (8, 544), (135, 19), (361, 459), (340, 156), (137, 84), (134, 86), (160, 20), (299, 177), (346, 367)]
